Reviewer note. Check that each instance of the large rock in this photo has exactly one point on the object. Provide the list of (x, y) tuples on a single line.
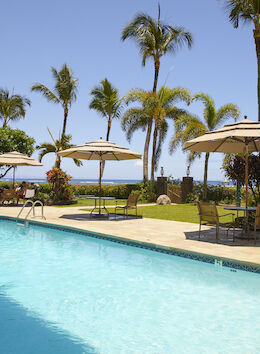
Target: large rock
[(163, 199)]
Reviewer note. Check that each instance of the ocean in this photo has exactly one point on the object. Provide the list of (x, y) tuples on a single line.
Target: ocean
[(95, 181)]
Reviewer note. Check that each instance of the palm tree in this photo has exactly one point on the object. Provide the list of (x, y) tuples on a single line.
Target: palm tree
[(12, 107), (154, 39), (248, 11), (58, 145), (153, 108), (64, 91), (165, 109), (106, 102), (190, 126)]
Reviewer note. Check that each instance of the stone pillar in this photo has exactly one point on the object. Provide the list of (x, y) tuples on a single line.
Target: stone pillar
[(161, 186), (186, 187)]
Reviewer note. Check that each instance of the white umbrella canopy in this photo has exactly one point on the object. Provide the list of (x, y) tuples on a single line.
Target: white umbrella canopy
[(15, 158), (100, 150), (232, 138), (240, 137)]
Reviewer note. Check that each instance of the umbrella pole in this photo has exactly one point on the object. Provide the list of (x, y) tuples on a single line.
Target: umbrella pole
[(246, 177), (13, 175), (99, 182)]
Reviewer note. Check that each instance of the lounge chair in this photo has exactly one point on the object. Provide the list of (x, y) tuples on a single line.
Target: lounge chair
[(130, 204), (7, 195), (257, 220), (208, 213)]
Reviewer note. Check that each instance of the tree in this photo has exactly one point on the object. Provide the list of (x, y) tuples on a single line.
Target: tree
[(154, 108), (154, 39), (106, 101), (64, 91), (234, 169), (14, 140), (12, 107), (247, 11), (58, 145), (190, 126)]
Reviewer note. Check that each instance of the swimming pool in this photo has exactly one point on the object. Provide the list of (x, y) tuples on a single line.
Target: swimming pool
[(62, 292)]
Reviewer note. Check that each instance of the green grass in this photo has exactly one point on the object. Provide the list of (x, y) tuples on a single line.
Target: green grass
[(90, 202), (180, 212)]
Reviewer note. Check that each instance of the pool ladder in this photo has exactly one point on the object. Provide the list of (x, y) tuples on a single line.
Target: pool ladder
[(32, 208)]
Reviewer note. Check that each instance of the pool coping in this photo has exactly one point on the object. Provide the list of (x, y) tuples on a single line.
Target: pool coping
[(202, 257)]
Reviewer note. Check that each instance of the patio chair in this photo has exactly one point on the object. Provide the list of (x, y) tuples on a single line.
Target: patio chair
[(7, 195), (29, 194), (208, 213), (257, 220), (130, 204)]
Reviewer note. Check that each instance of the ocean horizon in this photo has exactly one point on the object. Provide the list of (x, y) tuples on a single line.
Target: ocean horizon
[(95, 181)]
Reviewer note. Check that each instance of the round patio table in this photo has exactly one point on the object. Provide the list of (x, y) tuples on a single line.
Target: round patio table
[(98, 204), (245, 233)]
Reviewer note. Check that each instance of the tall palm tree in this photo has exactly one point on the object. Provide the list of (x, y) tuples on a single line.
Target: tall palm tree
[(12, 107), (154, 39), (64, 91), (166, 99), (155, 108), (248, 11), (58, 145), (190, 126), (106, 102)]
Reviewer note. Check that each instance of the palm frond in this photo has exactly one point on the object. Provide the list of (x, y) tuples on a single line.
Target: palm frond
[(226, 112), (47, 93)]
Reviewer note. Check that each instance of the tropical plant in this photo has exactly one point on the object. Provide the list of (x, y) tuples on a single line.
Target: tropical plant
[(153, 108), (61, 190), (58, 145), (234, 169), (247, 11), (64, 91), (12, 107), (106, 102), (154, 39), (14, 140), (189, 126)]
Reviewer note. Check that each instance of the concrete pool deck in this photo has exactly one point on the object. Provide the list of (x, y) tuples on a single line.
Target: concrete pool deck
[(165, 233)]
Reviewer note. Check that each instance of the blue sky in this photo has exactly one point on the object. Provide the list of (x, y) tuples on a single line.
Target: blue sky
[(86, 35)]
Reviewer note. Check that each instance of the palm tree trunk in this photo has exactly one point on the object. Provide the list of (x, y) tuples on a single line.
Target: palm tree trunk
[(156, 72), (5, 122), (58, 161), (108, 133), (204, 195), (257, 44), (66, 111), (146, 150), (155, 133)]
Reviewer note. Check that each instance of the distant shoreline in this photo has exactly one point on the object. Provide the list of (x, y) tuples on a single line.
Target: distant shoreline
[(82, 181)]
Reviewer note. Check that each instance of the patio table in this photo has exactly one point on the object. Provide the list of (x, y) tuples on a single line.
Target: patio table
[(98, 204), (237, 208)]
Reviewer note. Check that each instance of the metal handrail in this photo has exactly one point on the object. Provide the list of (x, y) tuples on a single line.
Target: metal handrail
[(31, 209)]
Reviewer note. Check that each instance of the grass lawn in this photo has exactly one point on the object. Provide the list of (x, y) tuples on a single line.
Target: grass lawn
[(90, 202), (180, 212)]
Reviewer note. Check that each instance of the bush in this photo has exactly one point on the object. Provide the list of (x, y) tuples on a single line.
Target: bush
[(217, 193)]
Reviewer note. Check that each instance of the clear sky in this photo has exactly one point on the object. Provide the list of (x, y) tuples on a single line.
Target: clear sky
[(36, 35)]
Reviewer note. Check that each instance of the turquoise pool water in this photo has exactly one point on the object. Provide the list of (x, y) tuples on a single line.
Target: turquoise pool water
[(67, 293)]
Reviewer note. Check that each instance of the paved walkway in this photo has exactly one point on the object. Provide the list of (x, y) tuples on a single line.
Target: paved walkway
[(166, 233)]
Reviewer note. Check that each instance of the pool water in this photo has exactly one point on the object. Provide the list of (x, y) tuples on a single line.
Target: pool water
[(65, 293)]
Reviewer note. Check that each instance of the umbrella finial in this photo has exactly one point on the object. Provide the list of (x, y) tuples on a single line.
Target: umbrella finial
[(245, 117)]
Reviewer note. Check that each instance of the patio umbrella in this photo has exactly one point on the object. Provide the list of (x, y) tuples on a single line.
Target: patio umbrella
[(100, 150), (15, 158), (240, 137)]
